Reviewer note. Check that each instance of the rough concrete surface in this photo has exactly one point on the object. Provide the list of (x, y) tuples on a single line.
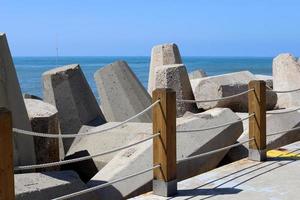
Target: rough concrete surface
[(164, 54), (44, 119), (286, 72), (67, 89), (139, 157), (199, 73), (121, 93), (176, 77), (50, 185), (11, 98)]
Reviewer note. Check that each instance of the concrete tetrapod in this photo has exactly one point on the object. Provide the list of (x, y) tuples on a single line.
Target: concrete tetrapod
[(216, 87), (176, 77), (67, 89), (164, 54), (11, 98), (286, 72), (122, 94), (44, 119), (139, 157), (50, 185)]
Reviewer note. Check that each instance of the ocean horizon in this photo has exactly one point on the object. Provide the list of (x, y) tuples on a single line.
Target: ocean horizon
[(30, 69)]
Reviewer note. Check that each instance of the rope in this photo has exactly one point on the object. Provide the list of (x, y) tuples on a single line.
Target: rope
[(282, 112), (287, 91), (284, 131), (47, 135), (218, 126), (68, 196), (214, 151), (212, 100), (64, 162)]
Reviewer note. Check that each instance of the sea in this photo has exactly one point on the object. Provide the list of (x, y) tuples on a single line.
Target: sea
[(30, 69)]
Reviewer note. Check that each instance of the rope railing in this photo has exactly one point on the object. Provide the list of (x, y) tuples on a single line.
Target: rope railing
[(283, 131), (217, 126), (68, 196), (64, 162), (214, 151), (286, 91), (212, 100), (64, 135), (282, 112)]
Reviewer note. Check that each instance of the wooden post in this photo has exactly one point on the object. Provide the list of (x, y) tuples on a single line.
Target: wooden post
[(164, 146), (257, 123), (7, 189)]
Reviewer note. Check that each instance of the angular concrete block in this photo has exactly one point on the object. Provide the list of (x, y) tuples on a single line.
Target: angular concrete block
[(50, 185), (122, 94), (31, 96), (286, 73), (164, 54), (140, 157), (199, 73), (109, 139), (216, 87), (44, 119), (11, 98), (176, 77), (67, 89), (267, 79)]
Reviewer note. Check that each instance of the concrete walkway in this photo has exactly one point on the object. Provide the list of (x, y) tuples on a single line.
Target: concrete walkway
[(276, 179)]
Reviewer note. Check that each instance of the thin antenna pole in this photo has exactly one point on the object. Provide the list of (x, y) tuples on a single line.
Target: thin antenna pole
[(56, 44)]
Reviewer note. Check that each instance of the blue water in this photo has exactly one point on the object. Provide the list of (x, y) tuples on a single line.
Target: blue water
[(30, 69)]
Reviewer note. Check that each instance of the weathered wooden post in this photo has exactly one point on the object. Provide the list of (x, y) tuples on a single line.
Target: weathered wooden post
[(7, 189), (257, 123), (164, 146)]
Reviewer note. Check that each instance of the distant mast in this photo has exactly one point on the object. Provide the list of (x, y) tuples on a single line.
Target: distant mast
[(56, 44)]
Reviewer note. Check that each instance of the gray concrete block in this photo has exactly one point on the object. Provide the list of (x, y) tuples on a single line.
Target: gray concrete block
[(44, 119), (139, 157), (286, 72), (31, 96), (121, 93), (108, 140), (67, 89), (164, 54), (199, 73), (11, 98), (176, 78), (50, 185)]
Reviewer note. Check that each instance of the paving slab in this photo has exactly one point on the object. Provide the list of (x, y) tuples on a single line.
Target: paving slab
[(277, 178)]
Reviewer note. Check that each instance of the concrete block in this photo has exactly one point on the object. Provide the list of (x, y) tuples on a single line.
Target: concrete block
[(11, 98), (50, 185), (44, 119), (266, 78), (31, 96), (108, 140), (164, 54), (122, 94), (139, 157), (286, 72), (176, 77), (215, 87), (199, 73), (67, 89)]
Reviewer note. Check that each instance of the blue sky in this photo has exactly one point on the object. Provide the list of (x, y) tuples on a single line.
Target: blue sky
[(132, 27)]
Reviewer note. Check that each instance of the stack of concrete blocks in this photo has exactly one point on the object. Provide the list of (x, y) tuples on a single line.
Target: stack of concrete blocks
[(140, 157), (121, 93), (165, 54), (286, 73), (44, 119), (176, 77), (50, 185), (218, 87), (67, 89), (199, 73), (11, 98)]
